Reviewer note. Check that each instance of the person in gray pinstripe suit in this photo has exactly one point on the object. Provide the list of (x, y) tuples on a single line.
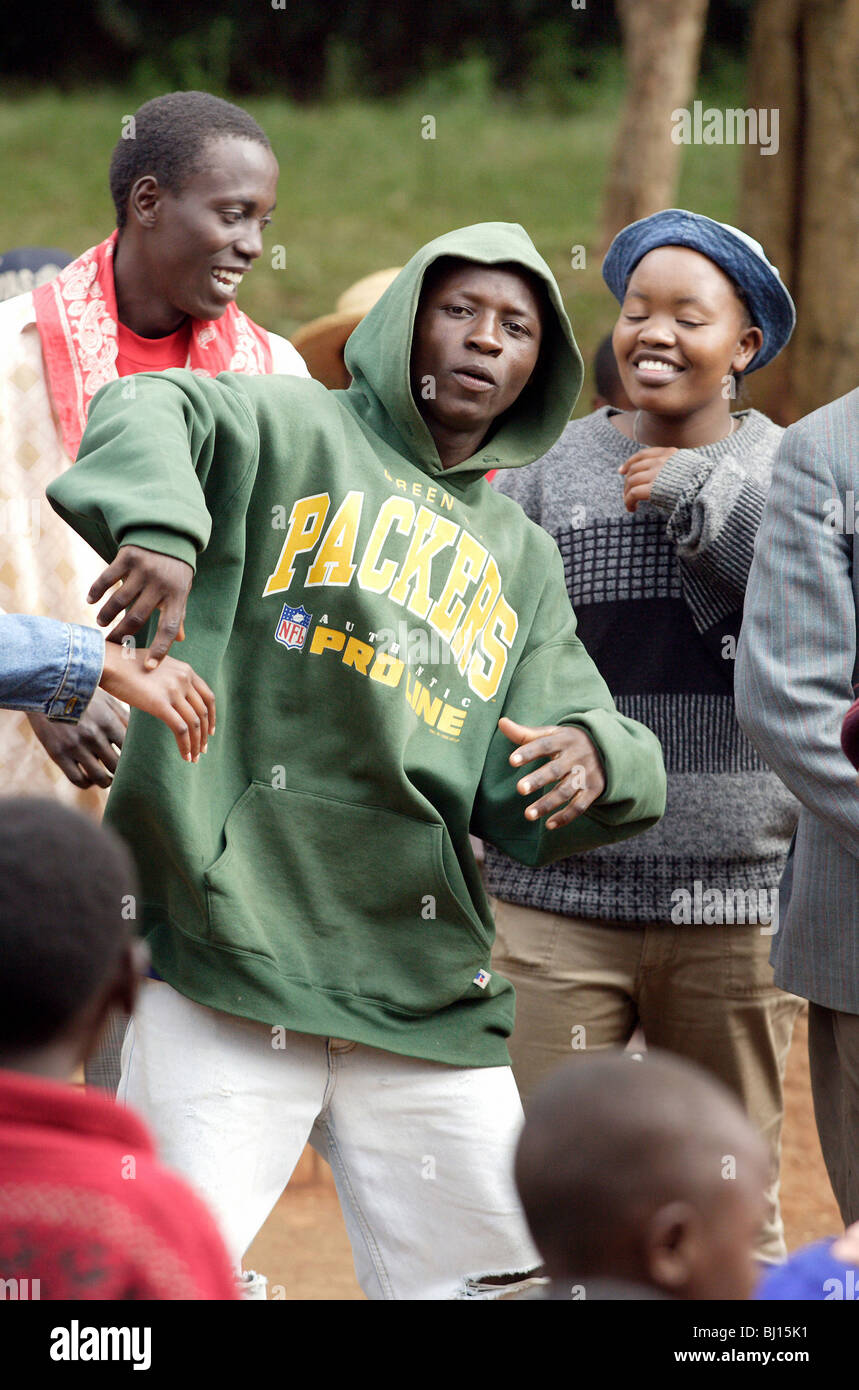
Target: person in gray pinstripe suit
[(795, 672)]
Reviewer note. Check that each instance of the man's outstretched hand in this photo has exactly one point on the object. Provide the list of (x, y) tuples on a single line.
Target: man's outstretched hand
[(149, 580), (573, 767)]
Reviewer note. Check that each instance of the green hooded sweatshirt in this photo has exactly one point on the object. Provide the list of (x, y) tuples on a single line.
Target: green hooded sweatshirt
[(364, 617)]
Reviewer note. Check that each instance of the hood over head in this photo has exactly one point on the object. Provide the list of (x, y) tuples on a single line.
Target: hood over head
[(378, 355)]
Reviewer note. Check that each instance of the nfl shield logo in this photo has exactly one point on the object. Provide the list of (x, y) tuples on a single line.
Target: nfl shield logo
[(292, 626)]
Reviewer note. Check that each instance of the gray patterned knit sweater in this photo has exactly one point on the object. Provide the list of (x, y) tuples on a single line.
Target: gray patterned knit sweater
[(658, 597)]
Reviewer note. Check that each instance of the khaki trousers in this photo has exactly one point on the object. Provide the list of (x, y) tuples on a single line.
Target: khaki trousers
[(702, 992), (833, 1056)]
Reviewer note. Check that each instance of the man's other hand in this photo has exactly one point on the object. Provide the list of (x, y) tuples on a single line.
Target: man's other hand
[(574, 768)]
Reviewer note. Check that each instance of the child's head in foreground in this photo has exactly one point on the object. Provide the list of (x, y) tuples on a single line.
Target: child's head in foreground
[(646, 1172), (67, 909)]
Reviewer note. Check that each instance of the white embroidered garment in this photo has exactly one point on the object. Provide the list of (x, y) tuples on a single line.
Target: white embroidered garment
[(45, 567)]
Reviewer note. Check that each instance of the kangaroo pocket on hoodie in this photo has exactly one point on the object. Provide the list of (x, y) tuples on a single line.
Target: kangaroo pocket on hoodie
[(349, 898)]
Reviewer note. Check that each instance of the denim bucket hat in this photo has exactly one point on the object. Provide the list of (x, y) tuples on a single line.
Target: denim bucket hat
[(740, 256)]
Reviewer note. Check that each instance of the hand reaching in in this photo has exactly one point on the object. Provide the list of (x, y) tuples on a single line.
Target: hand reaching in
[(173, 692), (88, 751)]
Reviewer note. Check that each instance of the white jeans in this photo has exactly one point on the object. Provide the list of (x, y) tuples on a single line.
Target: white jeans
[(421, 1152)]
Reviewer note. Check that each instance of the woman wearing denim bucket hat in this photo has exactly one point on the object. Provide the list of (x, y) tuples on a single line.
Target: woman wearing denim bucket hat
[(655, 512)]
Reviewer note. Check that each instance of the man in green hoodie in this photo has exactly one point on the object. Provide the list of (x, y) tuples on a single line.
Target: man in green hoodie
[(387, 638)]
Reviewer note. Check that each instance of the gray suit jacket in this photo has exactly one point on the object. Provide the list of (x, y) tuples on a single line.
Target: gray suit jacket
[(796, 666)]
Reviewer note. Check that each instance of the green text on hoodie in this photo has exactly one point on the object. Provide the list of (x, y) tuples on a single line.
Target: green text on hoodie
[(364, 617)]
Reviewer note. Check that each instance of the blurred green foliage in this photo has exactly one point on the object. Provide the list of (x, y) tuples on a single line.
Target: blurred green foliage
[(310, 49)]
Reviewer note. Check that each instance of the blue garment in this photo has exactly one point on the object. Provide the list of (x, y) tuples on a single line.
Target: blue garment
[(48, 667), (26, 267), (810, 1275), (739, 255)]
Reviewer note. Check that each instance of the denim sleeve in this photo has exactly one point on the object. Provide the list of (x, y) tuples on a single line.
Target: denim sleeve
[(47, 666)]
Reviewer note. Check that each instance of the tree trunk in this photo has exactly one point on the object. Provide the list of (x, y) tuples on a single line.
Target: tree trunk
[(770, 183), (662, 46), (803, 202), (826, 348)]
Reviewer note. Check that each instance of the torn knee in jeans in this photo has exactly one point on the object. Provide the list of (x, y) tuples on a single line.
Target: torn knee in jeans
[(493, 1286), (250, 1285)]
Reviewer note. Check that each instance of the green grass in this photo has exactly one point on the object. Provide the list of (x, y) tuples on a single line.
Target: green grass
[(360, 189)]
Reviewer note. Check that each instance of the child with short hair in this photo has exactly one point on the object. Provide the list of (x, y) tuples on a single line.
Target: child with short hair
[(608, 387), (86, 1209), (642, 1178)]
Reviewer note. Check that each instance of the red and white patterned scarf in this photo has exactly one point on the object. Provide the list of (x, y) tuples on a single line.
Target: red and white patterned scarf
[(76, 319)]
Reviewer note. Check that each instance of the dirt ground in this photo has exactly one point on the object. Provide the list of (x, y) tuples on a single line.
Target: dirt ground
[(304, 1250)]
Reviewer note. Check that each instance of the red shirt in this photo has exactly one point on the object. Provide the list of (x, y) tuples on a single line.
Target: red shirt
[(136, 354), (87, 1210)]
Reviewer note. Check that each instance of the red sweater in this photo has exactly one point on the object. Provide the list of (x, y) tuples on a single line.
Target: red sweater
[(87, 1210)]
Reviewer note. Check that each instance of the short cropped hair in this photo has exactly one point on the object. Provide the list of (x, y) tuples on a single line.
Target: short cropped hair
[(67, 910), (606, 374), (608, 1139), (170, 136)]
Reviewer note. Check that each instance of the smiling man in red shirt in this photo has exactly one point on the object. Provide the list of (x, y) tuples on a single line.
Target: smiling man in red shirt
[(194, 182)]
